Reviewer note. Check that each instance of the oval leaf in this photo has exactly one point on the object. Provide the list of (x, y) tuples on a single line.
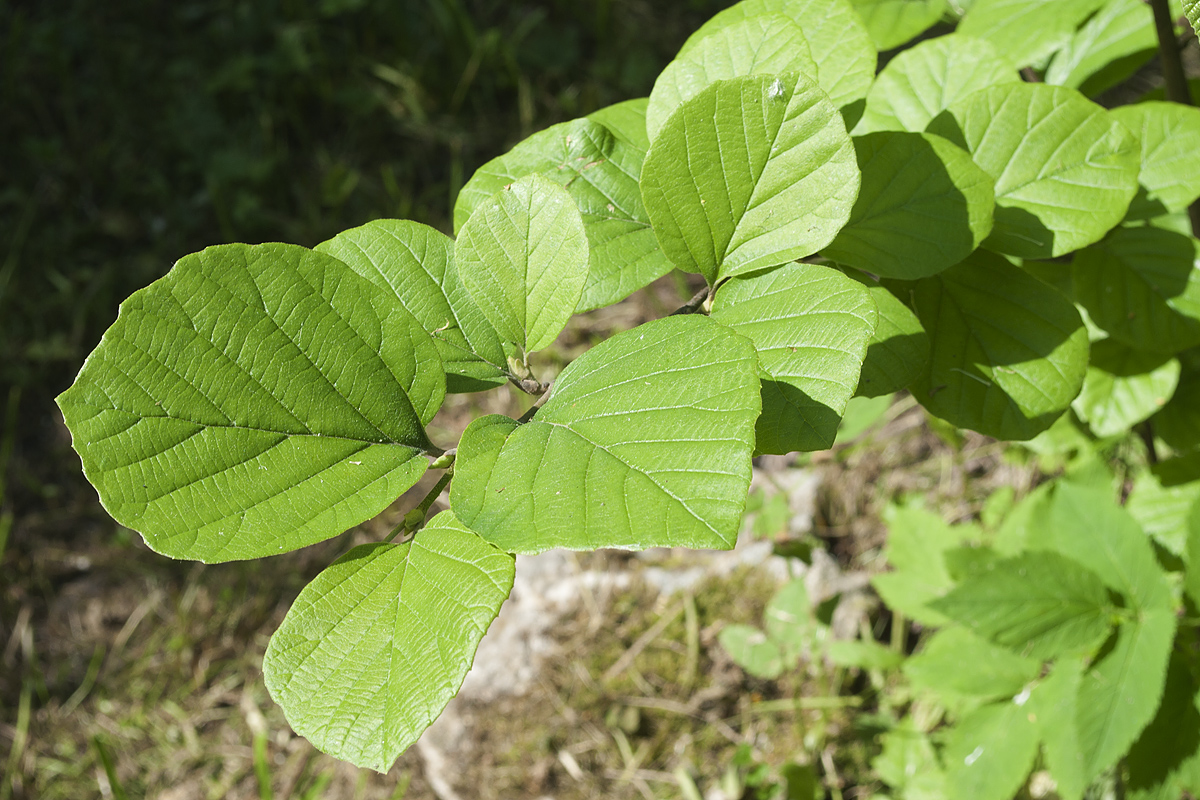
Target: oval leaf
[(1065, 170), (626, 121), (891, 23), (1169, 180), (645, 442), (811, 325), (1124, 386), (923, 207), (377, 645), (1026, 31), (750, 173), (956, 660), (899, 349), (255, 400), (523, 256)]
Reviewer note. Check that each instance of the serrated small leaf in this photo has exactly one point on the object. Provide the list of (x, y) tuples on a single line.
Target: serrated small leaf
[(1124, 386), (645, 441), (1142, 286), (380, 641), (811, 325), (1165, 509), (917, 541), (923, 207), (1110, 47), (1178, 424), (1027, 31), (990, 752), (1065, 169), (1009, 353), (921, 82), (416, 263), (788, 619), (255, 400), (751, 650), (750, 173), (957, 660), (1038, 604), (764, 44), (523, 257), (1169, 179), (899, 349), (892, 23)]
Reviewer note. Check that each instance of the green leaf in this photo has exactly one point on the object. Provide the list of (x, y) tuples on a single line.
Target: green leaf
[(898, 351), (990, 752), (255, 400), (1124, 386), (1038, 604), (908, 763), (1027, 31), (891, 23), (645, 442), (599, 166), (1168, 752), (922, 82), (750, 173), (524, 259), (1192, 9), (1107, 49), (862, 414), (923, 207), (765, 44), (1178, 424), (1009, 353), (788, 619), (1142, 285), (377, 645), (1055, 703), (837, 38), (956, 660), (416, 264), (1169, 180), (1065, 169), (751, 650), (862, 654), (917, 541), (1165, 509), (811, 325)]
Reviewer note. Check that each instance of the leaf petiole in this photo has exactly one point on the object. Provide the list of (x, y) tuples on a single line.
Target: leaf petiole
[(414, 520)]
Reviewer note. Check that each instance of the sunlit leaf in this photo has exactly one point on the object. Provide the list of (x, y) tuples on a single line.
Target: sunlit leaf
[(1026, 31), (1169, 180), (956, 660), (1109, 47), (1123, 387), (891, 23), (990, 751)]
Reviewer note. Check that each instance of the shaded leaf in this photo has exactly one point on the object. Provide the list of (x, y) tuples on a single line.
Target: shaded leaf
[(1169, 180), (1109, 48), (1178, 424), (1167, 754), (956, 660), (1027, 31), (1124, 386), (898, 351), (626, 121)]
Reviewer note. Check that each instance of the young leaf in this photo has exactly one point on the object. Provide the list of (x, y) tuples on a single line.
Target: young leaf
[(416, 264), (750, 173), (862, 654), (990, 752), (751, 650), (1142, 285), (1169, 180), (1163, 506), (837, 38), (923, 207), (922, 82), (898, 351), (788, 619), (917, 541), (1009, 353), (645, 442), (1109, 48), (1124, 386), (765, 44), (1038, 604), (599, 165), (811, 325), (255, 400), (956, 660), (891, 23), (524, 259), (374, 648), (1027, 31), (1065, 170)]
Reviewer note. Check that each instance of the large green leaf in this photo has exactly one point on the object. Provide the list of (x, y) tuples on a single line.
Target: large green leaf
[(1169, 180), (645, 441), (416, 263), (921, 82), (1065, 170), (1107, 49), (1038, 604), (990, 752), (956, 660), (1027, 31), (811, 325), (1009, 353), (1142, 285), (898, 351), (380, 641), (891, 23), (923, 207), (750, 173), (1123, 387), (599, 162), (765, 44), (837, 38), (255, 400), (916, 546), (523, 256)]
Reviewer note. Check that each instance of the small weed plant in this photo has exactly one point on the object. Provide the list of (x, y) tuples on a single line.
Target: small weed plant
[(1004, 249)]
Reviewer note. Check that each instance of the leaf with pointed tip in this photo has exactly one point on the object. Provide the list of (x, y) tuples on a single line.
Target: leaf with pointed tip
[(1124, 386), (1065, 169), (922, 82), (1109, 48), (811, 325), (956, 660), (1169, 180), (645, 441), (923, 207), (377, 645), (1142, 286), (599, 167), (523, 256), (892, 23), (1027, 31), (255, 400), (750, 173), (1009, 353), (416, 264), (899, 349), (990, 752), (837, 37)]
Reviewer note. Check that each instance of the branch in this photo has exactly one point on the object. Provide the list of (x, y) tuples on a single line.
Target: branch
[(693, 305), (415, 520)]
